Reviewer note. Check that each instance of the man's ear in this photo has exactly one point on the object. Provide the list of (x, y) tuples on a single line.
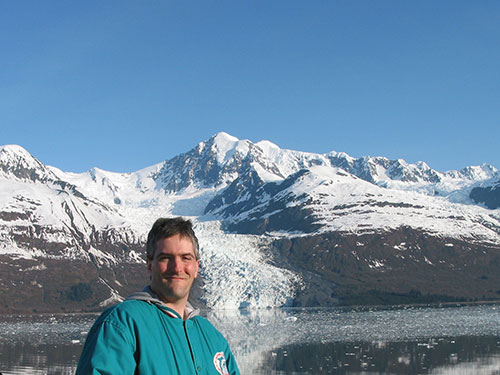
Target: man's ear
[(148, 263), (197, 268)]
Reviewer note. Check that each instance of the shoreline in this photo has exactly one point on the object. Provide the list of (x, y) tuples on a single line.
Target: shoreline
[(285, 308)]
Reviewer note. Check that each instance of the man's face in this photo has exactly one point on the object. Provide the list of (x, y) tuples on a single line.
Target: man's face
[(173, 269)]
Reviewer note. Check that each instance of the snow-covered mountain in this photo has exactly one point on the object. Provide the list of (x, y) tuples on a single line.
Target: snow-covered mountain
[(256, 207)]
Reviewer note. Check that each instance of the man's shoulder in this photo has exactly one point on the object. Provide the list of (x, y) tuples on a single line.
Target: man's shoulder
[(126, 310), (129, 306)]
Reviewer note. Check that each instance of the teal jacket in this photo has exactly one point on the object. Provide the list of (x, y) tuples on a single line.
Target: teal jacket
[(144, 337)]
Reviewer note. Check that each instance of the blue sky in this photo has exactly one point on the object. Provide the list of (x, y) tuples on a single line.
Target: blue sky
[(122, 85)]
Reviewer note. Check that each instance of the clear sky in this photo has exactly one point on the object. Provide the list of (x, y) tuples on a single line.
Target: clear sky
[(122, 85)]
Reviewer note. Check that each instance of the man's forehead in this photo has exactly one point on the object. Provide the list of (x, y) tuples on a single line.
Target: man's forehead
[(176, 243)]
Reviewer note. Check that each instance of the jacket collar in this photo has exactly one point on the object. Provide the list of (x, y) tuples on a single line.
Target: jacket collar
[(150, 297)]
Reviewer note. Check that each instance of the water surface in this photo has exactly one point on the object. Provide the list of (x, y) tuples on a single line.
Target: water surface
[(417, 340)]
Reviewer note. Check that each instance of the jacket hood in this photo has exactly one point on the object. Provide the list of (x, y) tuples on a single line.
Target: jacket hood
[(147, 295)]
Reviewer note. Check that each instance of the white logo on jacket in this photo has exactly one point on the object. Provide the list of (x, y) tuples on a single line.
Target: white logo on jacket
[(220, 363)]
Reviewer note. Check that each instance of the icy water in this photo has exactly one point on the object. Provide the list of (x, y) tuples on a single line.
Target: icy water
[(417, 340)]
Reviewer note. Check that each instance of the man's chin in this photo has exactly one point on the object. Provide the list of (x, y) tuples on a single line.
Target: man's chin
[(173, 293)]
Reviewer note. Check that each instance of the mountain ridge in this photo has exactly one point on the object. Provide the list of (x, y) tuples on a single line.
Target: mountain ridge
[(255, 195)]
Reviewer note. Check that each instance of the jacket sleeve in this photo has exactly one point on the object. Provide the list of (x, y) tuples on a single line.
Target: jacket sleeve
[(108, 350), (231, 365)]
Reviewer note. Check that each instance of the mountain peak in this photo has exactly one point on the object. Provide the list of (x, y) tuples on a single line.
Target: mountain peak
[(267, 146), (223, 137), (13, 151), (225, 146), (16, 161), (477, 172)]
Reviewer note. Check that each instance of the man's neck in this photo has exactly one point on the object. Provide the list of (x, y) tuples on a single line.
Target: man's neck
[(178, 307)]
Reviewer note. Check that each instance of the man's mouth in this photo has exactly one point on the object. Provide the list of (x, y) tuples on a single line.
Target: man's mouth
[(175, 277)]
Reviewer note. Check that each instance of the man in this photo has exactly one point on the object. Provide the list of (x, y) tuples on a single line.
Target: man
[(157, 331)]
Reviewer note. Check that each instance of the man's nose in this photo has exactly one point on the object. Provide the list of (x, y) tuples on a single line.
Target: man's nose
[(174, 265)]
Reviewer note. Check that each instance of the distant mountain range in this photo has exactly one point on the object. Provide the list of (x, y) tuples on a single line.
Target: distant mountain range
[(277, 227)]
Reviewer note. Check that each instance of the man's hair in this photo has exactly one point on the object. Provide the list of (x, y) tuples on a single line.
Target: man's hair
[(168, 227)]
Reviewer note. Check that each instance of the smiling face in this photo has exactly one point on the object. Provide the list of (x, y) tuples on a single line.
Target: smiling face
[(173, 269)]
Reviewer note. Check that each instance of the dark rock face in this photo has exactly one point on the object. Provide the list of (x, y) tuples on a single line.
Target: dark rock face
[(52, 285), (397, 267), (288, 218), (71, 277), (241, 195), (179, 172), (366, 169), (489, 196), (253, 207), (62, 285), (199, 167)]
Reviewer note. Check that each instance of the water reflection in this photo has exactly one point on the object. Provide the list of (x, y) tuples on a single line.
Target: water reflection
[(271, 341), (42, 344), (38, 359), (422, 357), (460, 340)]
